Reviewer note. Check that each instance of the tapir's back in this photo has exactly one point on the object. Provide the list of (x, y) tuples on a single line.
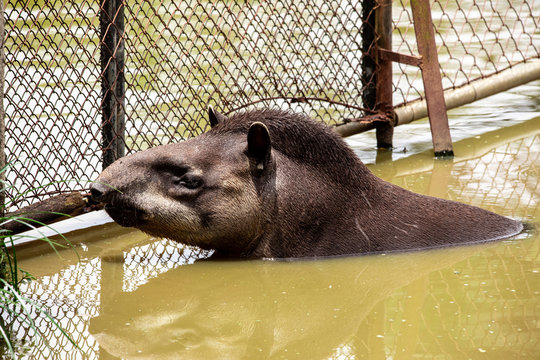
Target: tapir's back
[(414, 221)]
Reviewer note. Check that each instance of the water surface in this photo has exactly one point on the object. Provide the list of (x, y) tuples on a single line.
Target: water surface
[(129, 296)]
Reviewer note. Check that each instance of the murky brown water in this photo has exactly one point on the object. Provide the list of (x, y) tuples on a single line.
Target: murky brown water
[(128, 296)]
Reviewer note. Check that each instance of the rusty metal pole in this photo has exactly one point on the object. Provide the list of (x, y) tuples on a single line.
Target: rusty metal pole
[(431, 76), (383, 31), (112, 80)]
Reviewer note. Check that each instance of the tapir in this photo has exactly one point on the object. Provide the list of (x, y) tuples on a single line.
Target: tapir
[(276, 184)]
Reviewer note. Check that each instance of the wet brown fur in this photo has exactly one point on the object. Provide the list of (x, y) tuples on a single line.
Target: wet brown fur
[(309, 195)]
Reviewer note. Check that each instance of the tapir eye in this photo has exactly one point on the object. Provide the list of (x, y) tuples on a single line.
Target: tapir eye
[(170, 169), (187, 181), (180, 176)]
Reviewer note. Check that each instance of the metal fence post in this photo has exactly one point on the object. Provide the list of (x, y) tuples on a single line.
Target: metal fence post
[(383, 30), (377, 70), (2, 115), (112, 80), (431, 76)]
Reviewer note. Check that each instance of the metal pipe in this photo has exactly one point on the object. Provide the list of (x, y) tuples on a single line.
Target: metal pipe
[(353, 128), (518, 75)]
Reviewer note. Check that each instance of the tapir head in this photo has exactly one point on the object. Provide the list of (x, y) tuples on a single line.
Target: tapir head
[(202, 191)]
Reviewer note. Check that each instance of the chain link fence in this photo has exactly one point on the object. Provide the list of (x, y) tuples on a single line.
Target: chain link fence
[(475, 40), (153, 66), (52, 97)]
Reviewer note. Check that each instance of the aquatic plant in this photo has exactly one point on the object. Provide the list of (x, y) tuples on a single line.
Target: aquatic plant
[(15, 309)]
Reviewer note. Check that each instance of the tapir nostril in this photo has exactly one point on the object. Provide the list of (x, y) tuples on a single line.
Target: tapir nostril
[(98, 191)]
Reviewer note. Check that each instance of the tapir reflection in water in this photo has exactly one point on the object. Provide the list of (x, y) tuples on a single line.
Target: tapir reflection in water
[(270, 183)]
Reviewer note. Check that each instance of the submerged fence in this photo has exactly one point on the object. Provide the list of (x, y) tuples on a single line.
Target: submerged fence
[(86, 82)]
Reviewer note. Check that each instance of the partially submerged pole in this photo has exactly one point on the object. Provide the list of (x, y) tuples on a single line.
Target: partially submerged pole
[(383, 29), (431, 76), (369, 63), (377, 70)]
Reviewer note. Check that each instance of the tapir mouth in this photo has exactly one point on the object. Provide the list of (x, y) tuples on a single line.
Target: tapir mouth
[(124, 215)]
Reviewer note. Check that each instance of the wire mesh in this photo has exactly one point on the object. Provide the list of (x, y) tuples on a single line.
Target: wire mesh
[(475, 39), (238, 55), (172, 59), (52, 96)]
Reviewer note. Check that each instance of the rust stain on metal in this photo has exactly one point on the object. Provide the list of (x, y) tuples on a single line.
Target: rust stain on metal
[(431, 76), (383, 103), (375, 119), (387, 55)]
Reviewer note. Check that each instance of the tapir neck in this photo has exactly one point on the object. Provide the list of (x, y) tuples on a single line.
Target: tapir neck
[(301, 212)]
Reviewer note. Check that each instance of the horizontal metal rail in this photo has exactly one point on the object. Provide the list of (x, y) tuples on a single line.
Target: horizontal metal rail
[(505, 80)]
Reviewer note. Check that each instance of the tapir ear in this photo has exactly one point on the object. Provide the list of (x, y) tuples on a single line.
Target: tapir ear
[(214, 117), (259, 145)]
